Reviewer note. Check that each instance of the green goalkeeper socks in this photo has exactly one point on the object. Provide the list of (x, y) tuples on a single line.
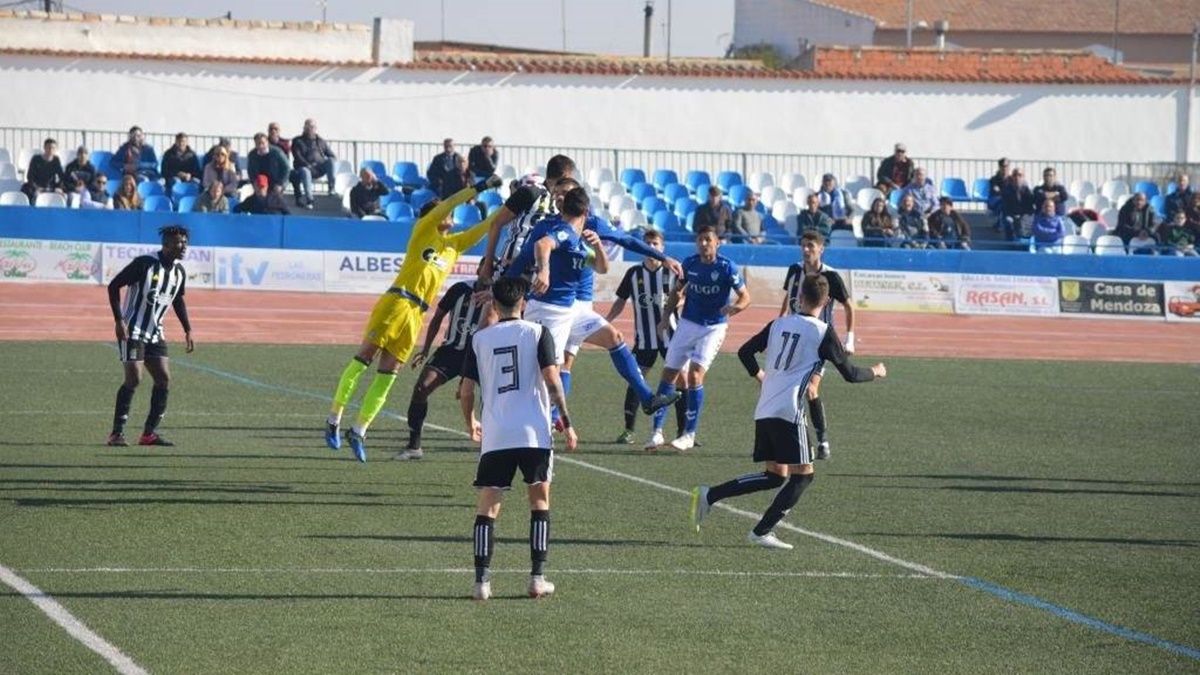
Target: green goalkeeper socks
[(347, 383), (374, 399)]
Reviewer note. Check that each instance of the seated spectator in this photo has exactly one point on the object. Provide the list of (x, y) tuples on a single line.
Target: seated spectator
[(273, 137), (1048, 229), (714, 213), (995, 187), (213, 199), (80, 169), (225, 144), (911, 223), (1192, 212), (221, 170), (443, 170), (1051, 189), (45, 172), (813, 218), (1180, 237), (364, 197), (136, 157), (922, 192), (264, 201), (268, 160), (1016, 205), (1178, 200), (747, 222), (180, 163), (1080, 215), (877, 226), (1136, 215), (311, 159), (1143, 243), (836, 203), (460, 178), (483, 159), (895, 172), (90, 196), (127, 197), (947, 229)]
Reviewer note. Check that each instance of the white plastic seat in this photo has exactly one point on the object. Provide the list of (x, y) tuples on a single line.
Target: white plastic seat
[(784, 213), (800, 196), (842, 239), (346, 202), (1110, 245), (771, 194), (759, 181), (1092, 230), (1073, 244), (1096, 202), (14, 198), (790, 181), (619, 203), (374, 217), (1080, 189), (7, 171), (609, 189), (51, 200), (599, 176), (341, 166), (1121, 202), (1070, 204), (343, 182), (507, 172), (865, 196), (5, 156), (23, 158), (1109, 218), (857, 183), (1114, 188), (631, 219), (9, 185)]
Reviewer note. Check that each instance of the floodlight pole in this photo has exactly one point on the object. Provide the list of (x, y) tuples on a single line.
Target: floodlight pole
[(908, 26), (668, 32)]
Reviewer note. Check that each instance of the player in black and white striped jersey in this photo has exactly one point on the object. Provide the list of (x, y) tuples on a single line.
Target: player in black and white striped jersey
[(156, 283), (646, 288), (447, 361), (526, 206)]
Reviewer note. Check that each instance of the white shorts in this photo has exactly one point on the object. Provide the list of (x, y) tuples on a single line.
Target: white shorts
[(583, 307), (567, 325), (696, 343)]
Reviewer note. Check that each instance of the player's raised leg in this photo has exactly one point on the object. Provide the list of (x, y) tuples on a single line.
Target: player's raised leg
[(602, 334)]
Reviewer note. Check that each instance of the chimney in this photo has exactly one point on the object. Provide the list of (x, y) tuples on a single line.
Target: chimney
[(941, 27), (647, 31)]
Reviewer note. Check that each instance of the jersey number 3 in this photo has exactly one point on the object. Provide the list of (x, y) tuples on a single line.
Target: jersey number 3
[(514, 375)]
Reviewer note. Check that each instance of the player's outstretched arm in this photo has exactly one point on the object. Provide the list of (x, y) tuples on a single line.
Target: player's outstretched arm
[(464, 240), (831, 350), (600, 262)]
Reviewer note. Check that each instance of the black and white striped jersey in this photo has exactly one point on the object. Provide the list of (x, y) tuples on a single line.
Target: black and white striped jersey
[(795, 346), (153, 286), (462, 314), (507, 359), (531, 203), (837, 289), (647, 291)]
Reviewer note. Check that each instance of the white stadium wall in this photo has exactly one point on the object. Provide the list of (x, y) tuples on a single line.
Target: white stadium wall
[(1097, 123)]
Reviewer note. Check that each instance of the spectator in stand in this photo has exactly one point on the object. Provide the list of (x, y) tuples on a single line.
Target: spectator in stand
[(264, 201), (714, 213), (45, 172), (225, 144), (922, 192), (1143, 243), (483, 160), (1180, 237), (364, 197), (1048, 229), (1051, 189), (1177, 201), (312, 159), (836, 203), (877, 227), (273, 137), (1136, 215), (911, 223), (127, 197), (747, 222), (268, 160), (813, 218), (90, 196), (995, 187), (80, 169), (221, 170), (443, 170), (1016, 205), (1192, 212), (136, 157), (947, 229), (459, 179), (180, 163), (213, 199), (895, 172)]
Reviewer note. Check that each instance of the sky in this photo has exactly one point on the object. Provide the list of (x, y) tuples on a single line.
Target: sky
[(698, 27)]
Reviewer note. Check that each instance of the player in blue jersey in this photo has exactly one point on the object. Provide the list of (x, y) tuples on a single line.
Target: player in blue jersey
[(705, 284)]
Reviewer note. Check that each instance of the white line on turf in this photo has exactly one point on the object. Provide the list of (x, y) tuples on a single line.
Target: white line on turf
[(59, 615), (465, 570)]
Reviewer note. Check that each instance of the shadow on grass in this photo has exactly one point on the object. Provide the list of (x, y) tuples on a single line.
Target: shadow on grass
[(466, 540), (35, 502), (999, 479), (1036, 490), (258, 597), (990, 536)]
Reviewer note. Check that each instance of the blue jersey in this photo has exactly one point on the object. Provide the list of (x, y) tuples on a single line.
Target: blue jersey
[(708, 288), (611, 234), (568, 259)]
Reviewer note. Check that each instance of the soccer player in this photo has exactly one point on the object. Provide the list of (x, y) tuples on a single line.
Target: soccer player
[(647, 286), (523, 209), (396, 319), (155, 282), (796, 345), (513, 362), (707, 281), (812, 245), (447, 361)]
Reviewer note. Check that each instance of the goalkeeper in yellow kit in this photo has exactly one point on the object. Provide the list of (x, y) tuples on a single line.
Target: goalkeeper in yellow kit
[(396, 320)]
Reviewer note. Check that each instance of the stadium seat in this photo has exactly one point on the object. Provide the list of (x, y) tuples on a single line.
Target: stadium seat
[(149, 188), (653, 205), (761, 180), (1096, 202), (684, 206), (398, 210), (14, 198), (856, 183), (866, 196), (408, 175), (156, 203), (784, 214), (673, 192), (419, 198), (694, 179), (7, 171), (375, 166), (346, 202), (630, 218), (842, 239), (1080, 189), (1159, 204), (23, 158), (981, 189), (618, 203), (491, 199), (391, 196), (1113, 189), (800, 197), (702, 193), (738, 194), (631, 177), (1073, 244), (186, 204), (1092, 230), (1121, 201), (790, 181), (727, 179), (343, 182), (9, 185), (181, 189), (1110, 245), (1070, 204), (374, 217), (56, 201), (507, 171), (956, 189), (609, 189), (641, 191), (1109, 218), (772, 194), (599, 176), (6, 156), (112, 187), (1149, 188), (663, 178), (667, 222)]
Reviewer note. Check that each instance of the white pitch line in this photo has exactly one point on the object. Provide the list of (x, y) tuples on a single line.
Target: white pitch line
[(74, 627), (466, 570), (180, 413)]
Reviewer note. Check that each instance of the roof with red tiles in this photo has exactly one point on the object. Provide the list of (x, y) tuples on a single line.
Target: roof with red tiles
[(970, 65), (1156, 17)]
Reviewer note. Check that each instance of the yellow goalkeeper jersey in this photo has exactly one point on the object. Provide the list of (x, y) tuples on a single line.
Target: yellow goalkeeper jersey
[(431, 255)]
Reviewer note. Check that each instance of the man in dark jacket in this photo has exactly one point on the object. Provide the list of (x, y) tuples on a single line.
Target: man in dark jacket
[(268, 160), (483, 159), (894, 172), (364, 197), (1135, 215), (1050, 188), (1016, 205), (1179, 199), (264, 201), (136, 157), (45, 172), (312, 158), (180, 163), (443, 169)]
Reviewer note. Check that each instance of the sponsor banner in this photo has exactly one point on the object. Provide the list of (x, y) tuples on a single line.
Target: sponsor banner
[(1111, 297), (199, 263), (36, 260), (373, 273), (881, 290), (1183, 300), (1001, 294), (265, 269)]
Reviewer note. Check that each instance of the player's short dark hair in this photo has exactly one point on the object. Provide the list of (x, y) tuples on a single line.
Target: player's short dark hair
[(814, 289), (706, 229), (172, 230), (508, 291), (428, 206), (576, 203), (558, 166), (813, 236), (652, 233), (566, 184)]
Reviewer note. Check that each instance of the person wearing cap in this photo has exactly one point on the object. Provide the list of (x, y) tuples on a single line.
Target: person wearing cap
[(714, 213), (836, 202), (894, 172), (947, 229), (264, 201)]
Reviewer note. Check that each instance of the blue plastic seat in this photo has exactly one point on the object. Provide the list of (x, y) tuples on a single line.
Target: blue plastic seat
[(491, 199), (666, 221), (981, 190), (466, 215), (695, 179), (1149, 188), (112, 187), (631, 177), (684, 206), (149, 188), (420, 197), (702, 192), (894, 198), (642, 191), (1159, 204), (674, 191), (375, 166), (663, 178), (738, 195), (181, 189), (392, 196), (396, 210), (955, 188), (157, 203), (408, 174), (186, 204), (727, 179), (653, 205), (101, 159)]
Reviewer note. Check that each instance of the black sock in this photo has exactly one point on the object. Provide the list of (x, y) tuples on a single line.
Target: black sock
[(417, 410), (124, 403), (485, 542), (680, 415), (633, 408), (158, 408), (785, 499), (816, 410), (539, 540), (744, 485)]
